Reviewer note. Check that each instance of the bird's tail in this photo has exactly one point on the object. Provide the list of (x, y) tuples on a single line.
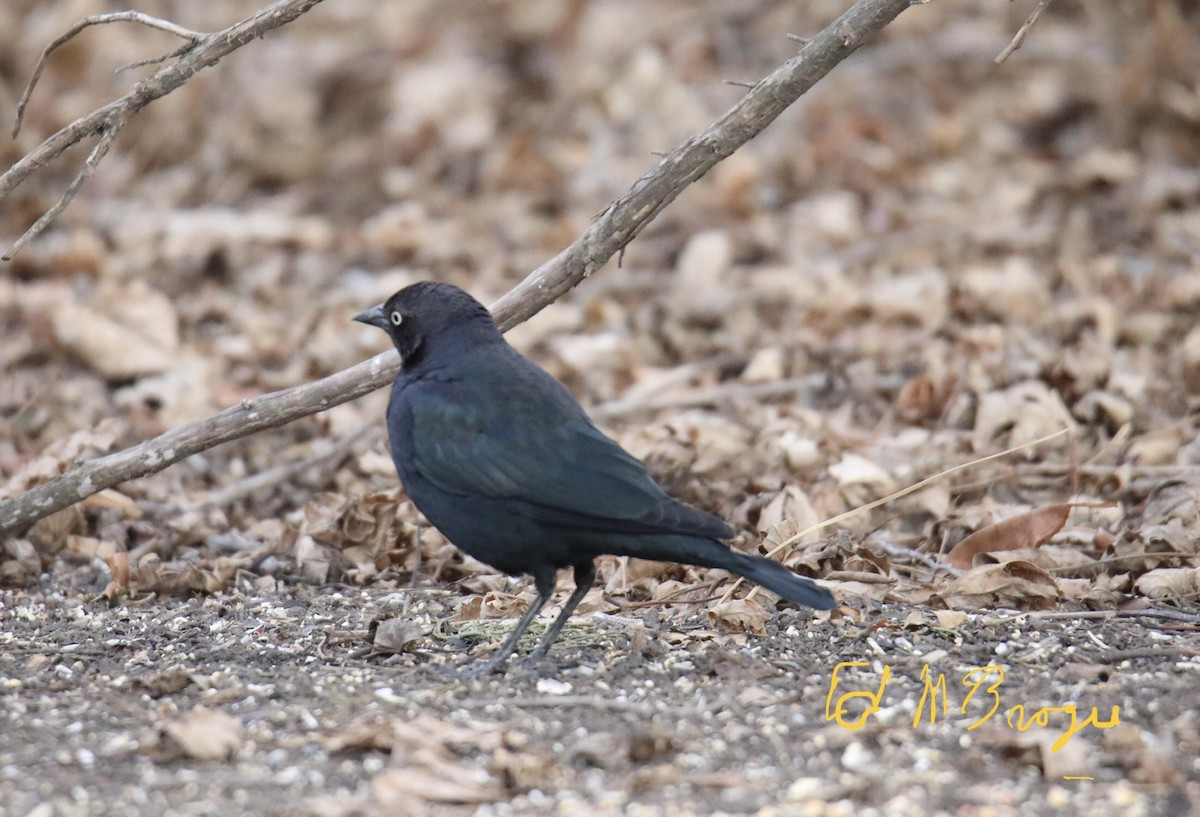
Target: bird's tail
[(701, 552), (780, 580)]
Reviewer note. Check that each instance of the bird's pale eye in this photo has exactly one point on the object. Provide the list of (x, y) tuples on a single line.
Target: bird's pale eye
[(396, 318)]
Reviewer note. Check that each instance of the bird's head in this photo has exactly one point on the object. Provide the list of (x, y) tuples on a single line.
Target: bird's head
[(430, 312)]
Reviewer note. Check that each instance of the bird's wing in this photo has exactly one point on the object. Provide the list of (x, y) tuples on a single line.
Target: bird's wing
[(538, 448)]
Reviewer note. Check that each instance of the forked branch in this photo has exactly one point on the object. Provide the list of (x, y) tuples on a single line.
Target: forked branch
[(192, 37), (201, 51)]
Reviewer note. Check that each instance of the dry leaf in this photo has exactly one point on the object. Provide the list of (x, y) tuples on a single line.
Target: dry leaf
[(699, 289), (204, 734), (1019, 585), (20, 564), (1020, 414), (791, 508), (1166, 583), (60, 456), (346, 535), (430, 760), (767, 365), (1016, 291), (91, 548), (741, 615), (950, 619), (140, 337), (377, 734), (396, 635), (670, 590), (111, 498), (1028, 530), (799, 452), (469, 609), (502, 605), (118, 567), (50, 534), (861, 480)]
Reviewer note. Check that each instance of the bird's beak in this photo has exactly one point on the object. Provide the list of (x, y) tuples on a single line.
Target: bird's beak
[(373, 317)]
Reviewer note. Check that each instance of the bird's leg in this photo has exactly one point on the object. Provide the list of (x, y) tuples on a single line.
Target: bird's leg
[(585, 576), (543, 580)]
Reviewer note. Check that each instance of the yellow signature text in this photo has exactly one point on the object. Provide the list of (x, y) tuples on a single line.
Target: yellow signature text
[(982, 687)]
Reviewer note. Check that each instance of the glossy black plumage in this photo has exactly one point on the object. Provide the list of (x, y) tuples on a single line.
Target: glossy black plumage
[(501, 459)]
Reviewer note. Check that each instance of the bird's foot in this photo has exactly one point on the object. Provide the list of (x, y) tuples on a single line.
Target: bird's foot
[(538, 665), (476, 670)]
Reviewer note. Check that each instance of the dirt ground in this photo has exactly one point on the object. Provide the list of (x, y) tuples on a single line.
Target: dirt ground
[(929, 260), (106, 710)]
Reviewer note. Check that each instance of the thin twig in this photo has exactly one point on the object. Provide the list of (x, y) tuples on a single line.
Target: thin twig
[(862, 576), (915, 555), (1059, 469), (1019, 37), (161, 58), (618, 225), (107, 137), (1170, 615), (192, 37), (1115, 560), (1163, 651), (675, 598)]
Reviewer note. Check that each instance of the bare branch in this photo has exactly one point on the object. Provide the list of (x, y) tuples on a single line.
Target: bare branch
[(192, 37), (107, 137), (170, 55), (609, 233), (205, 52), (1019, 37)]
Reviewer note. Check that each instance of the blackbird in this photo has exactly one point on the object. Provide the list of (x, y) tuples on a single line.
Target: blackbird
[(500, 458)]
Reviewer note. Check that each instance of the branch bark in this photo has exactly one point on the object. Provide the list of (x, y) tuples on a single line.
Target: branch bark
[(619, 224), (1019, 38)]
